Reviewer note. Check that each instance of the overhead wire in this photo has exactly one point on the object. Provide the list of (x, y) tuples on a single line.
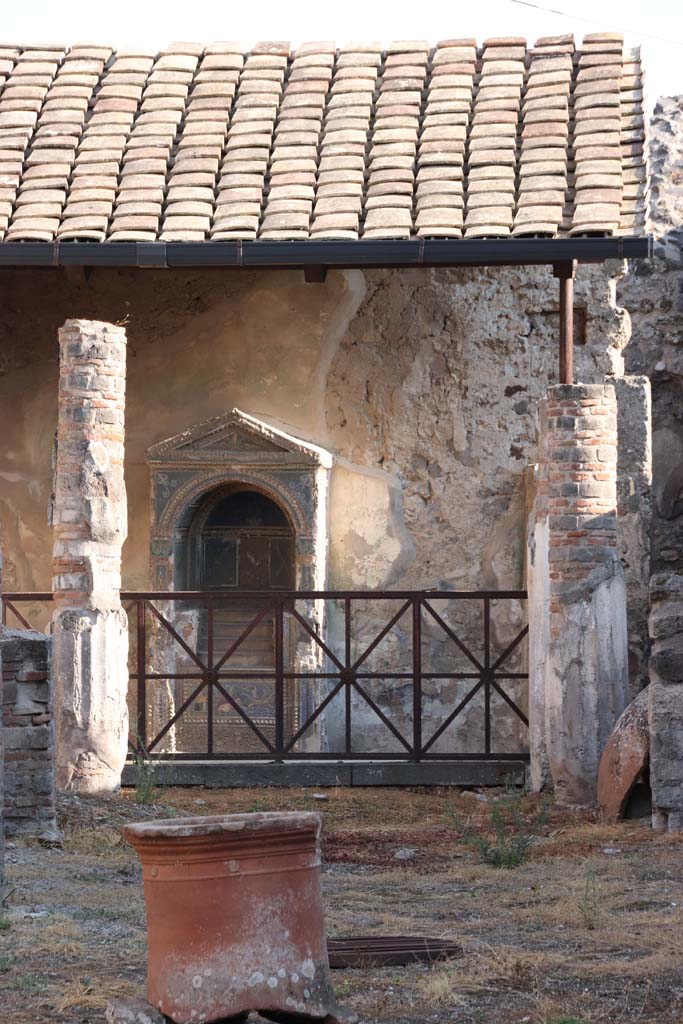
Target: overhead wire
[(602, 24)]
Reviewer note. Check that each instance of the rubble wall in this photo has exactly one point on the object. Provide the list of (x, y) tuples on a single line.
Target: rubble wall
[(653, 293), (665, 706), (29, 777)]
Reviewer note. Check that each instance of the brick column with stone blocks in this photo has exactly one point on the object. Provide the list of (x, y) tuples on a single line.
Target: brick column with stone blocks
[(582, 610), (90, 651)]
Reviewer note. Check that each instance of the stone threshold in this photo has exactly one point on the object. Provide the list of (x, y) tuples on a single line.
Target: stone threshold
[(237, 774)]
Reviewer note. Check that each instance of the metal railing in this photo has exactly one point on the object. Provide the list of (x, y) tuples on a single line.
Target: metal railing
[(11, 616), (443, 650)]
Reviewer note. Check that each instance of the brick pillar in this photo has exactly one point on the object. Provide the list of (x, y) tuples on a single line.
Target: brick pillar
[(89, 516), (665, 697), (583, 609)]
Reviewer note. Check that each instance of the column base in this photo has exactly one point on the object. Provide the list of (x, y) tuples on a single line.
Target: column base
[(90, 672), (588, 681)]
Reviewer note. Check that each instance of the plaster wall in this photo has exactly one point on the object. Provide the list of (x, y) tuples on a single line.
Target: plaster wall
[(424, 385)]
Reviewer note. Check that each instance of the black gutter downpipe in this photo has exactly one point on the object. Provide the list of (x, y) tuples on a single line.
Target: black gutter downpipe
[(346, 254)]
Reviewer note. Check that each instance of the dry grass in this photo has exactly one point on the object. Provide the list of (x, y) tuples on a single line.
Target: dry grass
[(575, 935), (86, 994), (93, 842), (56, 937), (439, 987)]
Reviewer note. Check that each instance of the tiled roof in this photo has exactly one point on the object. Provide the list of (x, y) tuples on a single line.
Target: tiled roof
[(363, 141)]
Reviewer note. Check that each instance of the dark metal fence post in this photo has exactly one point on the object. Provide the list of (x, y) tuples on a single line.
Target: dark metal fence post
[(417, 678), (279, 680), (348, 740), (487, 676), (140, 610), (210, 676)]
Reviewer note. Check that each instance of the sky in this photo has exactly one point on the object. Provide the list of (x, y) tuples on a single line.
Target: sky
[(152, 24)]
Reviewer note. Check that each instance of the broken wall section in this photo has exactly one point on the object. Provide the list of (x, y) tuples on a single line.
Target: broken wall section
[(666, 701), (29, 771), (634, 515), (653, 293)]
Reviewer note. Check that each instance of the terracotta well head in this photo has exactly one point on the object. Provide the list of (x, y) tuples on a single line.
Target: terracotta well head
[(234, 916), (301, 822)]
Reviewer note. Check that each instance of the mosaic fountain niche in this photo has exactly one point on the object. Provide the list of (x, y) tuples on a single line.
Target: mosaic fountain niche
[(238, 508)]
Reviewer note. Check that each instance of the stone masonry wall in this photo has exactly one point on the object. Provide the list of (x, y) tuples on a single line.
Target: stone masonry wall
[(586, 667), (653, 293), (666, 701), (634, 514), (29, 782)]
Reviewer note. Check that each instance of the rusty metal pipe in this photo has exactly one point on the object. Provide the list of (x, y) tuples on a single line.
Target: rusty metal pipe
[(565, 272), (566, 330)]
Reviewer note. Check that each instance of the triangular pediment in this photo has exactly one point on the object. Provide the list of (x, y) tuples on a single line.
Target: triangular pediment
[(237, 437)]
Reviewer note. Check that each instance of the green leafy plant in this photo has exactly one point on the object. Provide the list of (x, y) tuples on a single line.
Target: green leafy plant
[(512, 834), (145, 790), (5, 924), (7, 962), (33, 983), (343, 989)]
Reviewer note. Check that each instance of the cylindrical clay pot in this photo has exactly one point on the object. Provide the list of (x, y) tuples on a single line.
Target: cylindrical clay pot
[(235, 916)]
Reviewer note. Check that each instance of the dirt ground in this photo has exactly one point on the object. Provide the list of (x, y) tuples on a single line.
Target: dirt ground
[(588, 930)]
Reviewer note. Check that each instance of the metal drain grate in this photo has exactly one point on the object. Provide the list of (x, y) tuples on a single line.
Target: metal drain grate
[(388, 951)]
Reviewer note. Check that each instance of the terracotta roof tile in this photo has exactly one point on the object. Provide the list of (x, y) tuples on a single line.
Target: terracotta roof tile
[(370, 140)]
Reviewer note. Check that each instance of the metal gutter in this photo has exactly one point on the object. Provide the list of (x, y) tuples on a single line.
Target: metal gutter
[(345, 253)]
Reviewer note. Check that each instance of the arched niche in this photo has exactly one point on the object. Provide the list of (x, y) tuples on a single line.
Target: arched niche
[(236, 451), (240, 539)]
